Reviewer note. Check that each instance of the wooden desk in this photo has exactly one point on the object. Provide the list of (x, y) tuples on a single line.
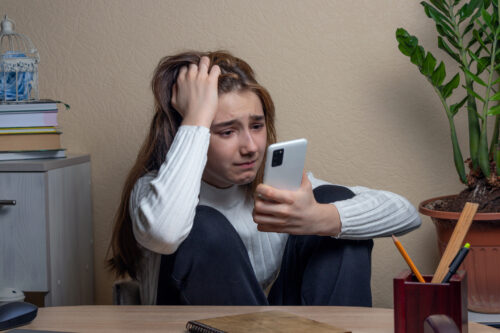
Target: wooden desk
[(174, 318)]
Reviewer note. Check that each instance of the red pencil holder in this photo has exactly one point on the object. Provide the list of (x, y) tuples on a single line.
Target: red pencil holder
[(415, 301)]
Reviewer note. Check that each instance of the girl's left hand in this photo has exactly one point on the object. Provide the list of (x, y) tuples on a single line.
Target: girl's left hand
[(294, 212)]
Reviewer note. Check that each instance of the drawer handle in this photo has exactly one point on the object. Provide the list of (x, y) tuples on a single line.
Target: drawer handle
[(7, 202)]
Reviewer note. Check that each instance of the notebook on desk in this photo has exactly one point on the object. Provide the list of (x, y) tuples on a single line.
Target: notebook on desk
[(20, 330), (488, 319), (261, 322)]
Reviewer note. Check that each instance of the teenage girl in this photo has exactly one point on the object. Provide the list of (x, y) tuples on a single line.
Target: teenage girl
[(197, 226)]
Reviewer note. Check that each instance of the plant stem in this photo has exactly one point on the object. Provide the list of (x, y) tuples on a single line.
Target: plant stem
[(494, 138), (497, 159), (497, 123), (474, 128), (484, 160), (457, 154)]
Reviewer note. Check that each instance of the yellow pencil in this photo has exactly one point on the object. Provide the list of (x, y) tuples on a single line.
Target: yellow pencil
[(408, 259)]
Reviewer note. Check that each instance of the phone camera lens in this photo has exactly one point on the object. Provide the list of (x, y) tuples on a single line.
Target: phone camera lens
[(277, 157)]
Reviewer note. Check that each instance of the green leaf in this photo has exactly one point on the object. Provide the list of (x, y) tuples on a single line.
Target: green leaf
[(473, 55), (446, 29), (478, 37), (441, 5), (468, 9), (477, 5), (495, 97), (407, 43), (418, 56), (482, 63), (429, 64), (494, 110), (467, 29), (474, 77), (405, 50), (473, 93), (496, 81), (445, 47), (434, 14), (438, 75), (491, 38), (456, 107), (401, 34), (487, 18), (465, 11), (471, 43), (487, 31), (452, 84)]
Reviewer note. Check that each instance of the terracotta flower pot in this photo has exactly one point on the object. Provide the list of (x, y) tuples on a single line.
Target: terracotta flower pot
[(483, 261)]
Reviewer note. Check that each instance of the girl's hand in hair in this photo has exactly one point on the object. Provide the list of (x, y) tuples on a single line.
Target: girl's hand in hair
[(194, 95), (294, 212)]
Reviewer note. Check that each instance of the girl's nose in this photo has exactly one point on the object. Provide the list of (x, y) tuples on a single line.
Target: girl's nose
[(247, 144)]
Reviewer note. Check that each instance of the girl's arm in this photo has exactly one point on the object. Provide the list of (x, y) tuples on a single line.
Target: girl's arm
[(370, 213), (373, 213), (163, 205)]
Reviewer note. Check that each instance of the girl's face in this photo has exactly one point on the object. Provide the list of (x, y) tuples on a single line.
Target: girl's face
[(237, 141)]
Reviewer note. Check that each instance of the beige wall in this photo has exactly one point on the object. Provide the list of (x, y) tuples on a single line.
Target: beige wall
[(333, 68)]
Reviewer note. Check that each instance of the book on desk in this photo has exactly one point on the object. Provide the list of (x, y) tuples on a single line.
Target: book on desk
[(261, 322)]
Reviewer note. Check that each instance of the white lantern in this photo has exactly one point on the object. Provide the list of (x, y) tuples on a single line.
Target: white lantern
[(18, 66)]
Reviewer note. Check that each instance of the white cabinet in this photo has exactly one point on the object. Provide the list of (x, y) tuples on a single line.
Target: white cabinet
[(46, 240)]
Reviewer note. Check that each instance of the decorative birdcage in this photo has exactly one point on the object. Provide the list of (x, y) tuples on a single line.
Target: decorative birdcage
[(18, 66)]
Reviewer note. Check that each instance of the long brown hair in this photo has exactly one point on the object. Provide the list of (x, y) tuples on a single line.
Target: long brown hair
[(236, 75)]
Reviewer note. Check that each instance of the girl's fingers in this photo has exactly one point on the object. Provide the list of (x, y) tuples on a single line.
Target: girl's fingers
[(214, 73), (182, 74), (193, 70), (203, 65), (268, 208), (268, 220), (273, 194)]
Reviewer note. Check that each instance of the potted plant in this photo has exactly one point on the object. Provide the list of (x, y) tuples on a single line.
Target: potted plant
[(469, 32)]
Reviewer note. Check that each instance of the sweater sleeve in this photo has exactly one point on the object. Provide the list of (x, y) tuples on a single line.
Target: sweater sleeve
[(163, 205), (373, 213)]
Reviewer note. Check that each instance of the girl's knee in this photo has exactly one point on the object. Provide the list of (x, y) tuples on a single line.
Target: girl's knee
[(332, 193), (212, 233)]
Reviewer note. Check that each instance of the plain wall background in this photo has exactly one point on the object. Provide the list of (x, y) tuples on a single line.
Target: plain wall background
[(332, 67)]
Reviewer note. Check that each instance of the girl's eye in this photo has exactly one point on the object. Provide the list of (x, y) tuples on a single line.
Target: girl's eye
[(257, 126), (226, 133)]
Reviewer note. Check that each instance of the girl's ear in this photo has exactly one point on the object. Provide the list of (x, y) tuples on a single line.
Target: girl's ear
[(173, 100)]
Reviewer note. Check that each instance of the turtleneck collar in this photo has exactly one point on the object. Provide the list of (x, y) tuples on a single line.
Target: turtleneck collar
[(222, 197)]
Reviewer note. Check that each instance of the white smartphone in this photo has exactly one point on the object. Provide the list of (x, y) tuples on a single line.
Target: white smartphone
[(284, 164)]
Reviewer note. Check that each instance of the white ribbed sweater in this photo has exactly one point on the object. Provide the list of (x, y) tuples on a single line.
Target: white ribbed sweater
[(163, 205)]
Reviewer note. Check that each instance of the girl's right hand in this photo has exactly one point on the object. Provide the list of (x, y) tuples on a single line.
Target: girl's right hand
[(194, 95)]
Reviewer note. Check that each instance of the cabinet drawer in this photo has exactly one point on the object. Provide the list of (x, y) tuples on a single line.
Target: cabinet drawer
[(23, 231)]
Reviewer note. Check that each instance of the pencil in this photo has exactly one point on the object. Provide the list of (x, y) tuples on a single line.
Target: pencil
[(408, 259)]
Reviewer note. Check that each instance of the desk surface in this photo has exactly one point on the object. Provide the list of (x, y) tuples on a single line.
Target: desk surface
[(174, 318)]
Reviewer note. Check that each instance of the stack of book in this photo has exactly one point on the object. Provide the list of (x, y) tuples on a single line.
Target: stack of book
[(29, 131)]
